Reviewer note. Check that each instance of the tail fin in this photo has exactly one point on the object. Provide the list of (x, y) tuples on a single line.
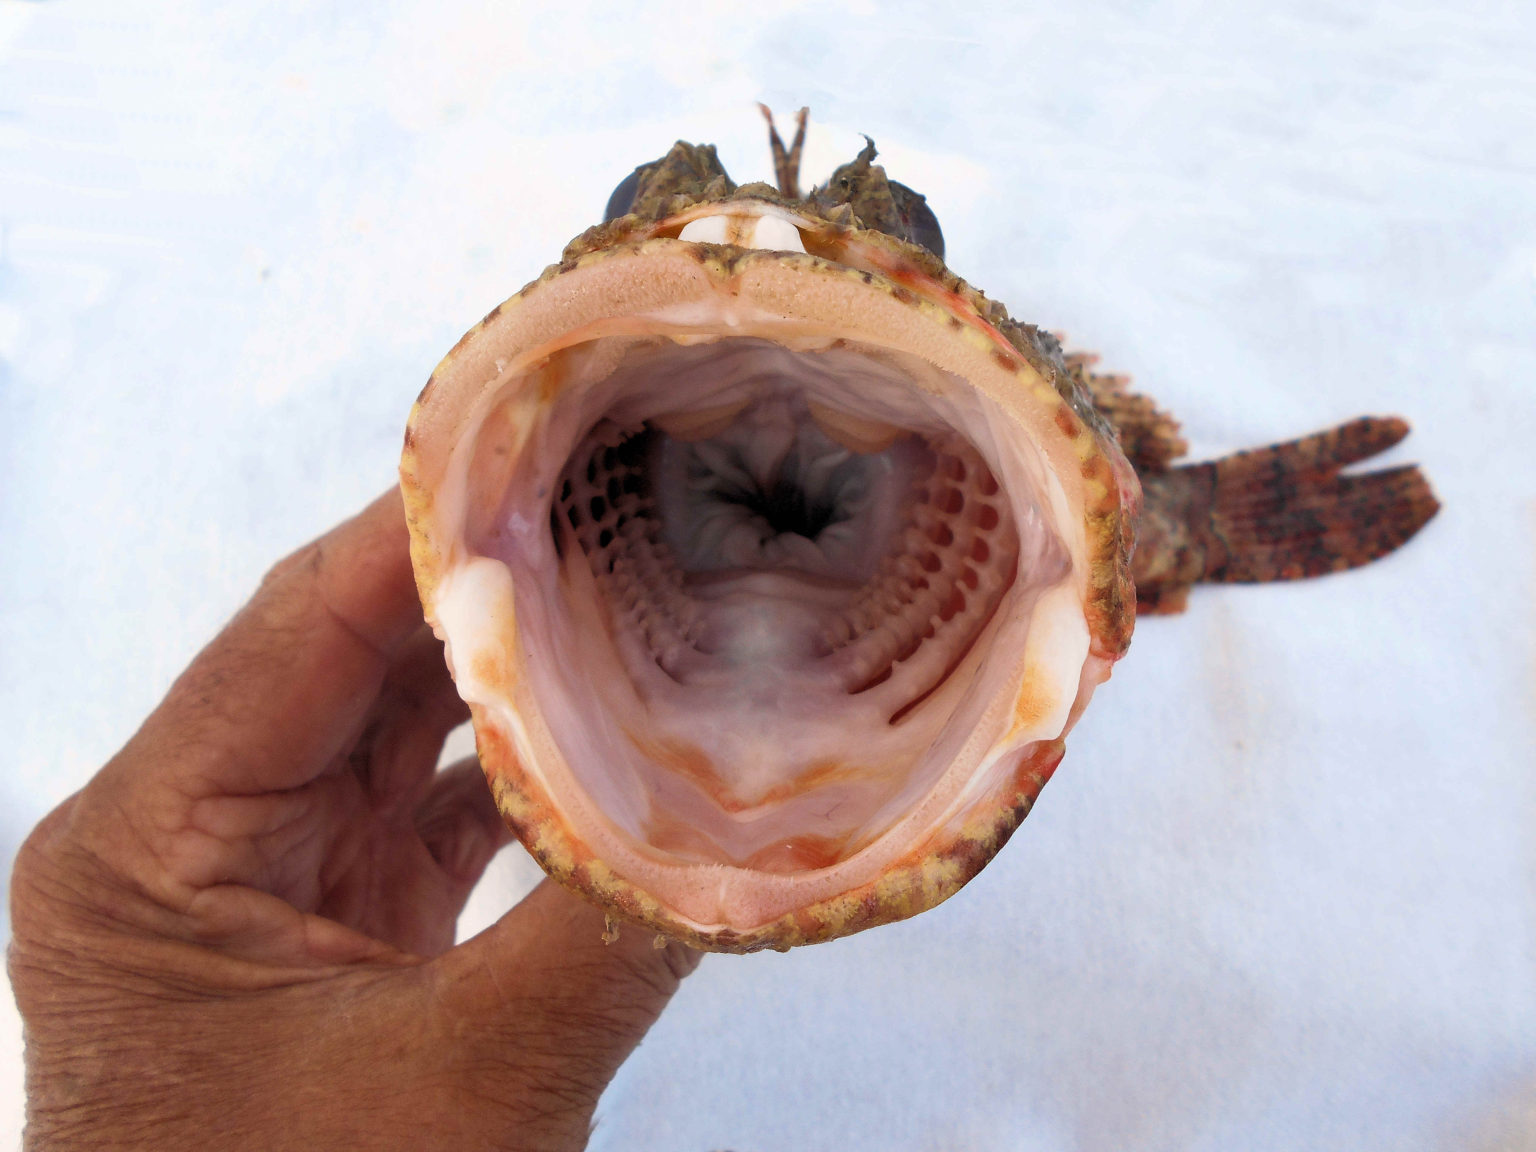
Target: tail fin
[(1280, 513)]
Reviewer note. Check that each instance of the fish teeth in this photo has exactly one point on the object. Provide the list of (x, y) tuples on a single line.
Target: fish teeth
[(744, 231)]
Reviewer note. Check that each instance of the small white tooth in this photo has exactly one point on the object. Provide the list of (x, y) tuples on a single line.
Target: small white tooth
[(779, 235), (745, 231), (706, 230)]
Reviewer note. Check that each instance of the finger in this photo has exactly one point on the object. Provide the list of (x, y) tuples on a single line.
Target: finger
[(460, 826), (430, 875), (396, 757), (539, 997), (287, 685)]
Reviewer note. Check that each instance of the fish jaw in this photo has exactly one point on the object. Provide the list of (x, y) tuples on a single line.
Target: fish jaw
[(488, 444)]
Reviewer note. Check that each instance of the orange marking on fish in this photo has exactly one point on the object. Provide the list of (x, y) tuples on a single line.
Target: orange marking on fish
[(953, 303), (489, 666), (552, 378), (1036, 700), (687, 760), (1036, 767)]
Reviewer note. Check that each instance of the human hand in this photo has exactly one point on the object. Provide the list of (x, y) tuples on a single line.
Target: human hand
[(239, 934)]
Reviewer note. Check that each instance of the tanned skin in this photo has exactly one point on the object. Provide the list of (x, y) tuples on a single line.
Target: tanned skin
[(239, 934)]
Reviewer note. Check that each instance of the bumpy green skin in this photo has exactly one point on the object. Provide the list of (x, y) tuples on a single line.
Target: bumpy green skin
[(688, 169)]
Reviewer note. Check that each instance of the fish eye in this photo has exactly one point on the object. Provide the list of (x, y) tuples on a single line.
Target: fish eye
[(623, 198), (918, 223)]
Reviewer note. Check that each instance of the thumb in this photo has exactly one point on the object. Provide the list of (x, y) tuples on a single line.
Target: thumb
[(540, 1001)]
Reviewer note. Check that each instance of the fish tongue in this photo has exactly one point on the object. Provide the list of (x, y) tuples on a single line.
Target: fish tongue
[(760, 625)]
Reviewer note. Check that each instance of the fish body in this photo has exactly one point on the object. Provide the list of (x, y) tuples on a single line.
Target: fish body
[(776, 562)]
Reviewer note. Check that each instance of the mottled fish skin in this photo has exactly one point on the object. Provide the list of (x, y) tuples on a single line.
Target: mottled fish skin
[(1284, 512)]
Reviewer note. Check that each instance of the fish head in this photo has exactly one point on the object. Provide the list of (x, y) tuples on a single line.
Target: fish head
[(774, 561)]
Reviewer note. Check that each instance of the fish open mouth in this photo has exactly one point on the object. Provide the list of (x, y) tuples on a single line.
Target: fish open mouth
[(778, 589), (765, 577)]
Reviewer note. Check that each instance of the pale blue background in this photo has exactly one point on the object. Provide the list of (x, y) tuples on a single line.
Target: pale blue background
[(1279, 895)]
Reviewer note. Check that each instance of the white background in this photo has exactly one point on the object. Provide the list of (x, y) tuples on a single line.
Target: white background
[(1279, 895)]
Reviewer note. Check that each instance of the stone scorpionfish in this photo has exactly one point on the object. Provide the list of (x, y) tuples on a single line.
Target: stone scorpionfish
[(776, 562)]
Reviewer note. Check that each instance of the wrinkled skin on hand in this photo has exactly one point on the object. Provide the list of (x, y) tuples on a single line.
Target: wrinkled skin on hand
[(240, 933)]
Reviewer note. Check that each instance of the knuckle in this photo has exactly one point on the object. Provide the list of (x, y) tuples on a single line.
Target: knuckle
[(307, 558)]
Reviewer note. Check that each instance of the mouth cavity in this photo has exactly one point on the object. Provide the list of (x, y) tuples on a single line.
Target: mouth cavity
[(767, 592), (769, 552)]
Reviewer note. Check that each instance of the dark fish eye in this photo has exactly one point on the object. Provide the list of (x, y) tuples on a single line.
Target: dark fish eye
[(623, 198), (918, 223)]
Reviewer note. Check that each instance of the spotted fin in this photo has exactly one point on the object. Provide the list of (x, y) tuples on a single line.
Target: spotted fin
[(1279, 513)]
